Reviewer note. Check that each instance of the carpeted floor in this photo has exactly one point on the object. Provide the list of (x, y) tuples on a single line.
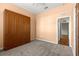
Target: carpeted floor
[(39, 48)]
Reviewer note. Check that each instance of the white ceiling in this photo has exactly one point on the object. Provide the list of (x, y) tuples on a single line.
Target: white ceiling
[(38, 7)]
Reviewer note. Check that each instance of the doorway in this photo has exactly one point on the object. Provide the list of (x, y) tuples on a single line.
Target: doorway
[(63, 31)]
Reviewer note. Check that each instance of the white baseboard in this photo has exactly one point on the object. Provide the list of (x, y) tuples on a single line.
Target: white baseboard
[(1, 48), (46, 41), (33, 39)]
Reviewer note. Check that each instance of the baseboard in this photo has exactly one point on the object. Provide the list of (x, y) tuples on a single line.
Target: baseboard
[(1, 49), (33, 39), (46, 41)]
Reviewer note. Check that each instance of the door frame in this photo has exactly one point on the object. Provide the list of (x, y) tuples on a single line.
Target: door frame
[(76, 32), (69, 29)]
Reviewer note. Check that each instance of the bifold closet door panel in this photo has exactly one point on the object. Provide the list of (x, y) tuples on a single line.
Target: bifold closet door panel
[(16, 29), (77, 29), (10, 30)]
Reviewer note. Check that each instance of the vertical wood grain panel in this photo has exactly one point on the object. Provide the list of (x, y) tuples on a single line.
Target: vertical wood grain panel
[(16, 29), (77, 40)]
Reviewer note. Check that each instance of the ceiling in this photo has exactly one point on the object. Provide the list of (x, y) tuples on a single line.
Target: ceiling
[(38, 7)]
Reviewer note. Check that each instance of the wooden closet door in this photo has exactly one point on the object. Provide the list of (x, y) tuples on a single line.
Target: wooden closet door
[(77, 31), (16, 29)]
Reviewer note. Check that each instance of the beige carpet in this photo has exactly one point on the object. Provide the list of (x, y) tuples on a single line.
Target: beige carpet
[(39, 48)]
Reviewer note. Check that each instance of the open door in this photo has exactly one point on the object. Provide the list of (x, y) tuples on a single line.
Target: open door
[(63, 29)]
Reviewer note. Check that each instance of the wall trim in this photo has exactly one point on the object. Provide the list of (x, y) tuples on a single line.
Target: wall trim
[(75, 22), (1, 48), (33, 39), (46, 41)]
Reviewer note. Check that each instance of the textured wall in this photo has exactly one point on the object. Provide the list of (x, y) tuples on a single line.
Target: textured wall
[(46, 23)]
